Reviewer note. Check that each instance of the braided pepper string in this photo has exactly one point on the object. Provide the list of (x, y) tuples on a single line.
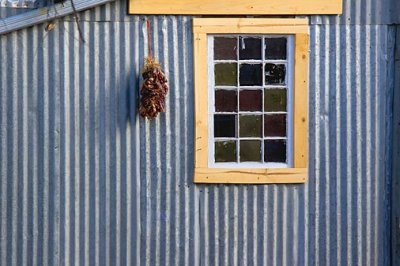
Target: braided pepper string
[(155, 86)]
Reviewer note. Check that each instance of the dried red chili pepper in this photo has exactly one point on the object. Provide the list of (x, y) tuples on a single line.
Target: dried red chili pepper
[(154, 89)]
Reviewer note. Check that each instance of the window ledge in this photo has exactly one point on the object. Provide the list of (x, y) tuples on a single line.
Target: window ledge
[(250, 176)]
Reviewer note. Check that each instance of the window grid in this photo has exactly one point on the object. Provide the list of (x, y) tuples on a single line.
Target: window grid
[(238, 113)]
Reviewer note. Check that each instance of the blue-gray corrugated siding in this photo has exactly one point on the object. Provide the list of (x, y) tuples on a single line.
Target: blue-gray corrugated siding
[(84, 180), (8, 12)]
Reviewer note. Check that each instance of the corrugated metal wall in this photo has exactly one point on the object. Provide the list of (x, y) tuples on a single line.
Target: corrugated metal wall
[(8, 12), (84, 180)]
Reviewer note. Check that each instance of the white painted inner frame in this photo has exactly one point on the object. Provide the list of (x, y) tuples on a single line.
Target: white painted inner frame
[(290, 101)]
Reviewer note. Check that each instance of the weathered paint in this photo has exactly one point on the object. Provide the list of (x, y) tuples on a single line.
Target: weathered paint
[(84, 180)]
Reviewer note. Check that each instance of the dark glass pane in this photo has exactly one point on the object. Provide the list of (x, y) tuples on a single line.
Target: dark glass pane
[(225, 101), (250, 75), (275, 48), (225, 151), (275, 100), (249, 48), (224, 126), (250, 100), (225, 48), (275, 151), (275, 74), (250, 150), (225, 74), (250, 126), (275, 125)]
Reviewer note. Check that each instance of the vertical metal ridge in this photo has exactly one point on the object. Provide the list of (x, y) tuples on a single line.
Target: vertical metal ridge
[(4, 161), (358, 95), (172, 115), (350, 143), (327, 121), (108, 109), (57, 154), (34, 152), (13, 162), (116, 164), (368, 162), (44, 139), (319, 119), (85, 79), (66, 146), (23, 256), (78, 116), (339, 146), (138, 161), (159, 45), (375, 146)]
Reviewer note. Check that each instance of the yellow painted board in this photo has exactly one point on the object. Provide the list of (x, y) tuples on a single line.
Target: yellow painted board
[(246, 25), (250, 176), (235, 7), (300, 133), (243, 22), (201, 99)]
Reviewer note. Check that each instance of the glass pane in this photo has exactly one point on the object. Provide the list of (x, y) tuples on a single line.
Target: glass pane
[(225, 101), (225, 74), (225, 48), (249, 48), (225, 151), (275, 100), (275, 73), (275, 48), (250, 150), (250, 100), (250, 75), (250, 126), (275, 125), (224, 126), (275, 151)]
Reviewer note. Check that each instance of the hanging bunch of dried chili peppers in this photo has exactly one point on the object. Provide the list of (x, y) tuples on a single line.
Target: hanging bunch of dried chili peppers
[(155, 86)]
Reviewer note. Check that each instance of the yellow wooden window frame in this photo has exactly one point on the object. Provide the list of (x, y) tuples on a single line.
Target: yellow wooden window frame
[(299, 29), (235, 7)]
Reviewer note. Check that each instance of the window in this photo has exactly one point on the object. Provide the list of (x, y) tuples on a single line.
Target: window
[(236, 7), (251, 100), (250, 90)]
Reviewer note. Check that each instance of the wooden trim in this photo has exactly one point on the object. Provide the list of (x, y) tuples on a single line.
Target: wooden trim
[(245, 22), (249, 25), (235, 7), (297, 27), (250, 176), (201, 99), (300, 110)]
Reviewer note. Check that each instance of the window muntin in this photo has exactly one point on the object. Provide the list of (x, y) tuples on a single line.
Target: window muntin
[(250, 92)]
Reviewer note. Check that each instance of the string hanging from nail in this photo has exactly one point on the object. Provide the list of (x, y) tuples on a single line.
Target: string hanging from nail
[(150, 52)]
